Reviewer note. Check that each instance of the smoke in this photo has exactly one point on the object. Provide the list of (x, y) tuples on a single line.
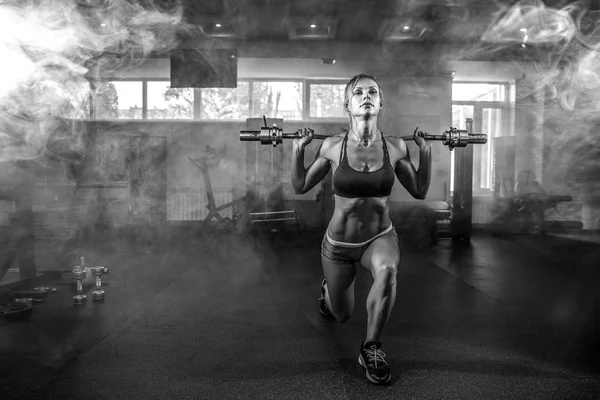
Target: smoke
[(51, 47), (563, 46)]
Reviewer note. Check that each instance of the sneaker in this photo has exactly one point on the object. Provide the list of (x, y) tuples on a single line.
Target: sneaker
[(372, 360), (322, 303)]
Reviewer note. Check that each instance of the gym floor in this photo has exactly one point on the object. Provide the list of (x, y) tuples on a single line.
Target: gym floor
[(237, 318)]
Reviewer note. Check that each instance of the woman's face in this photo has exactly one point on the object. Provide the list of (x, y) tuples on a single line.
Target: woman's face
[(365, 99)]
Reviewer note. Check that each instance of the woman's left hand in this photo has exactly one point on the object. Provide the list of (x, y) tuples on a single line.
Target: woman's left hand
[(419, 138)]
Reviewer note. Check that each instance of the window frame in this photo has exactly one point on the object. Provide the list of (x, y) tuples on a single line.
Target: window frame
[(251, 82), (306, 84)]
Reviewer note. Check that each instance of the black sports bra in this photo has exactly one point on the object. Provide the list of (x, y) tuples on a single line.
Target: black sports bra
[(348, 182)]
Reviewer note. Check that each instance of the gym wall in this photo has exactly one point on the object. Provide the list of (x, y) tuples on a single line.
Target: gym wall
[(410, 102)]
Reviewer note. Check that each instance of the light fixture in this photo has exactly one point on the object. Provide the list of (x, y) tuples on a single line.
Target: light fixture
[(102, 24), (525, 37), (221, 27), (300, 28), (329, 61), (402, 29)]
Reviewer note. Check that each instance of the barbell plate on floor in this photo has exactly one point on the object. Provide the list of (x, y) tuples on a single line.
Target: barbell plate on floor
[(17, 311)]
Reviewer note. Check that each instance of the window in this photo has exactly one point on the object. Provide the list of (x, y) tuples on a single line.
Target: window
[(277, 99), (224, 103), (119, 100), (165, 102), (487, 104), (155, 99), (326, 100), (478, 92)]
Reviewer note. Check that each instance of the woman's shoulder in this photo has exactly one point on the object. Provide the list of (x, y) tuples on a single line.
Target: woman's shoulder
[(331, 145), (333, 140), (395, 144)]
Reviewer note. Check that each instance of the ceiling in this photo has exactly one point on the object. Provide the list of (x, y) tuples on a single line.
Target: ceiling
[(365, 21)]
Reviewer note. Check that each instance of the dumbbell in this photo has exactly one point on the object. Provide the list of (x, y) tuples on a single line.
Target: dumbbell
[(452, 137), (98, 293), (79, 274)]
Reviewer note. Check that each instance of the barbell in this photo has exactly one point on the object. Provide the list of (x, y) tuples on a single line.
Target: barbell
[(452, 137)]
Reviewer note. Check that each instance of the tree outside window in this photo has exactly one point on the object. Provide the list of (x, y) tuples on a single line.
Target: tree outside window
[(326, 101), (277, 99), (165, 102), (119, 100), (225, 103)]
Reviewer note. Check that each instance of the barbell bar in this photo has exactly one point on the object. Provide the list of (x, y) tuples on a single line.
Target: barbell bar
[(452, 137)]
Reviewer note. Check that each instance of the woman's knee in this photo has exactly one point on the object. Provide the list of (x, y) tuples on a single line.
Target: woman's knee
[(386, 273), (341, 315)]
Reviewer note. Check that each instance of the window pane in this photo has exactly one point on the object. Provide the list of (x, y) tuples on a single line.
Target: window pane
[(277, 100), (165, 102), (478, 92), (119, 100), (492, 125), (225, 103), (327, 101)]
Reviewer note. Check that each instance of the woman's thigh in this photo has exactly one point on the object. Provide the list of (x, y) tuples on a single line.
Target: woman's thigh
[(339, 268), (383, 252), (340, 278)]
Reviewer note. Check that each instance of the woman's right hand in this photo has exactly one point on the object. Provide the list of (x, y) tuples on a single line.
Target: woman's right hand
[(305, 137)]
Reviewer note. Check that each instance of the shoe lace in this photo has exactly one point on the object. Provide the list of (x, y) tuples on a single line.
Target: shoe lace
[(374, 355)]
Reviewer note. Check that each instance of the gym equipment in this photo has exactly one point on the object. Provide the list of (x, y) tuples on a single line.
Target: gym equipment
[(203, 164), (266, 210), (26, 301), (98, 293), (452, 137), (79, 274), (462, 200), (44, 289), (273, 219), (35, 293), (525, 215), (17, 311)]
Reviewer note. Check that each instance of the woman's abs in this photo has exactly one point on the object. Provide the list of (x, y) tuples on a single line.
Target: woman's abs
[(358, 220)]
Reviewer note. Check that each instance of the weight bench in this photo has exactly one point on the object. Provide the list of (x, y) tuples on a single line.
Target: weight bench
[(438, 218)]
